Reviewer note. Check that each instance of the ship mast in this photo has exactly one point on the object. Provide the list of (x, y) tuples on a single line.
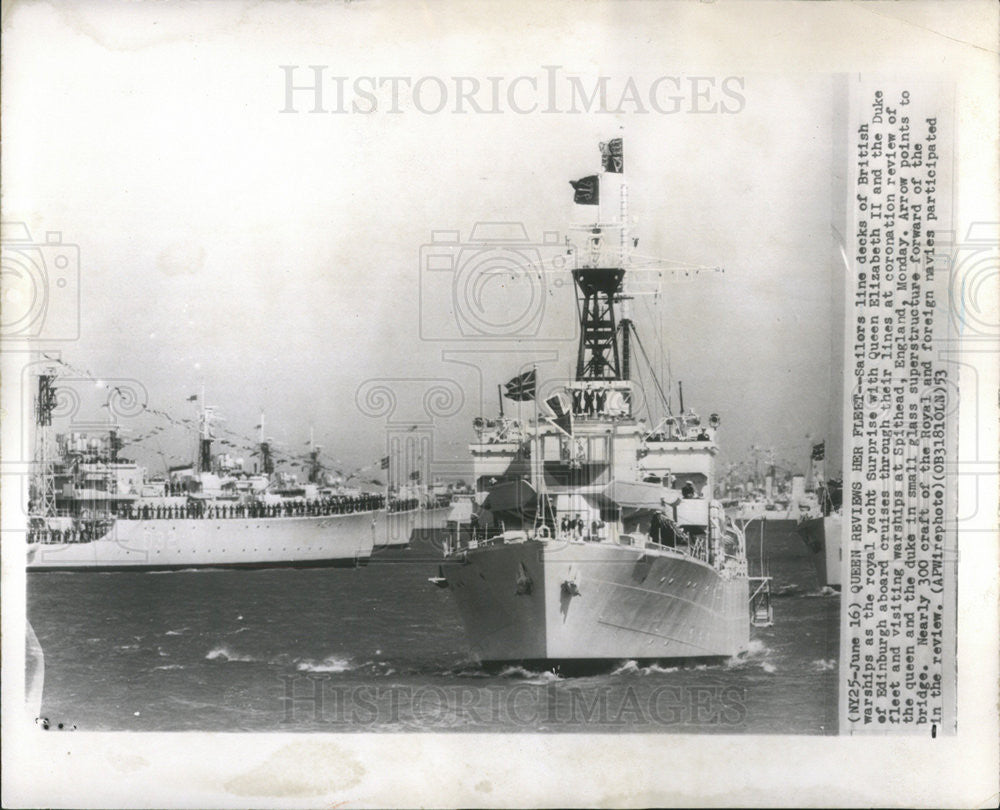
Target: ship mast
[(600, 287), (626, 322), (607, 333), (203, 461), (266, 461), (315, 468), (45, 404)]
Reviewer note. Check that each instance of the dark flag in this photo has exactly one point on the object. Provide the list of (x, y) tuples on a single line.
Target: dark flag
[(563, 417), (586, 190), (522, 387), (384, 463), (415, 475), (612, 157), (193, 398), (819, 451)]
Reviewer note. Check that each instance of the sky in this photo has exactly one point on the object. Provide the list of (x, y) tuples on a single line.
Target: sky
[(280, 260)]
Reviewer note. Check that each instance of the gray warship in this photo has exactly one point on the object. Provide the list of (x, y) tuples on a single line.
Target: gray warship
[(594, 537)]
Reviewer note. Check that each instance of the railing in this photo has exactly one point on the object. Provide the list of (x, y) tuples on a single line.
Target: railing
[(713, 551), (82, 531), (214, 510), (472, 538), (254, 510)]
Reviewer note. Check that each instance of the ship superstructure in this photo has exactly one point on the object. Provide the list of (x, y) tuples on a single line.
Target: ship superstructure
[(596, 537)]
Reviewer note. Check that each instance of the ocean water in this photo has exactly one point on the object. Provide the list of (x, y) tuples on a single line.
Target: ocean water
[(379, 648)]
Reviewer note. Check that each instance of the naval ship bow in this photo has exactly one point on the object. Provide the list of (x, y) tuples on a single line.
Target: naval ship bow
[(594, 538)]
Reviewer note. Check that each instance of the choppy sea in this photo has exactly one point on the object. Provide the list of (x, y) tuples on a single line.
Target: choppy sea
[(378, 648)]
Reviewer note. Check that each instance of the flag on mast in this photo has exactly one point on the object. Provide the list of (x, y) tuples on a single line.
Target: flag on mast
[(586, 190), (562, 416), (819, 451), (522, 387), (612, 156)]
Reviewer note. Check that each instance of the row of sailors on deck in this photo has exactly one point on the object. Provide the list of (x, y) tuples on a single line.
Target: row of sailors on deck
[(327, 506), (600, 402), (85, 534), (679, 433), (576, 527)]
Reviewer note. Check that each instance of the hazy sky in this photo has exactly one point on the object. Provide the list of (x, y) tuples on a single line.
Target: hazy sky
[(276, 258)]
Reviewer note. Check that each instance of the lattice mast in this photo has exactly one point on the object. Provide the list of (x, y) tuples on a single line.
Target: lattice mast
[(603, 352)]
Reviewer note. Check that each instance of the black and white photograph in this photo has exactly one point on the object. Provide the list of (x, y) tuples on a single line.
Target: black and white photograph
[(482, 404)]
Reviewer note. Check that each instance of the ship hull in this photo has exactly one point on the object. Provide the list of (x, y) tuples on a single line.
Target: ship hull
[(596, 601), (822, 535), (397, 529), (170, 544)]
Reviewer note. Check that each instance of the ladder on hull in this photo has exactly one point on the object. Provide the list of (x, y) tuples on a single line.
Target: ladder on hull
[(761, 612)]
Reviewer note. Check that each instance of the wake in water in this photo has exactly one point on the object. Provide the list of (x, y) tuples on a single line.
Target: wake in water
[(329, 664), (465, 669), (757, 654), (826, 590), (225, 654), (824, 664), (632, 668), (528, 676)]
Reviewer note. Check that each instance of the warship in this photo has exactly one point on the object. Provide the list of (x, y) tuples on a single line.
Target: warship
[(821, 527), (592, 536), (90, 509)]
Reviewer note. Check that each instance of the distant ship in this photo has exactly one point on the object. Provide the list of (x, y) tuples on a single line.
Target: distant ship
[(90, 509), (763, 509), (821, 529), (594, 537)]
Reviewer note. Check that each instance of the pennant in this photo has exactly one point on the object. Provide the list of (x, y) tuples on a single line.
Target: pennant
[(562, 416), (612, 157), (522, 387), (819, 451), (586, 190)]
